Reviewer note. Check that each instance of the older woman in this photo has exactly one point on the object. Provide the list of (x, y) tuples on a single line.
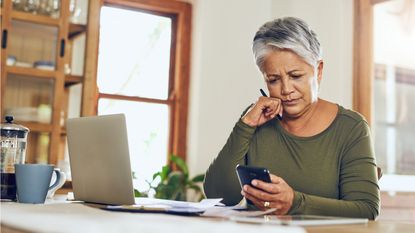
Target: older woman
[(319, 153)]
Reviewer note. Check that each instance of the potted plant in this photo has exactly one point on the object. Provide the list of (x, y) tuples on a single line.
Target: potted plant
[(174, 184)]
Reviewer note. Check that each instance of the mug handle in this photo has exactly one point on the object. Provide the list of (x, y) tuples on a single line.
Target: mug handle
[(57, 181)]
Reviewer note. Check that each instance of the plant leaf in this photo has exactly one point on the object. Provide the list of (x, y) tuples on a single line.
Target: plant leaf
[(155, 175), (164, 191), (177, 179), (198, 178), (139, 194), (181, 164), (165, 171), (195, 187)]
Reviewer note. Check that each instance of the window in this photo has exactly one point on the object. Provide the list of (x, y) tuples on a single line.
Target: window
[(143, 71), (385, 86)]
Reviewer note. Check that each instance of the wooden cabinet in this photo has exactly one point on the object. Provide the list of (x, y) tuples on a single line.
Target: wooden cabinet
[(37, 74)]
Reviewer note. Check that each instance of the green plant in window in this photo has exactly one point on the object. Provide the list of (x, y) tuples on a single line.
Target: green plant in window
[(174, 185)]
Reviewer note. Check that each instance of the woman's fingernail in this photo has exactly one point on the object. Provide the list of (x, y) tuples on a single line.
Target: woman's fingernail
[(246, 187), (254, 182)]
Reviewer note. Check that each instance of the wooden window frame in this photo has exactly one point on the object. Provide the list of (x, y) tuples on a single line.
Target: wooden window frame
[(363, 62), (363, 58), (178, 99)]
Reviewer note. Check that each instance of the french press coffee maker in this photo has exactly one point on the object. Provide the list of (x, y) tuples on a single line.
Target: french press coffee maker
[(13, 151)]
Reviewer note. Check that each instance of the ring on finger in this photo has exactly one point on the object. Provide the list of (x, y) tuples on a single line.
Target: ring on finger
[(266, 204)]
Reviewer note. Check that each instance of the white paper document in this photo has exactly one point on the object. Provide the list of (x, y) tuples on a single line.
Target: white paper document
[(203, 204), (143, 204), (206, 208)]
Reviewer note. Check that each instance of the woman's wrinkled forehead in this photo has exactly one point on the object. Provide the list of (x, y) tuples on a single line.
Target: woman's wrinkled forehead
[(284, 60)]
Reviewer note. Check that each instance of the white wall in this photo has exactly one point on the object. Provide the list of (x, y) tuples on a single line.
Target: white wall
[(332, 20), (224, 78)]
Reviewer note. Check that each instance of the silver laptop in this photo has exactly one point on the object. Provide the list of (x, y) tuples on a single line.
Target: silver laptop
[(100, 160)]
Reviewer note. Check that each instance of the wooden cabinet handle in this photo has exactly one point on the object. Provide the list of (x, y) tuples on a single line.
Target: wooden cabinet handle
[(4, 39), (62, 52)]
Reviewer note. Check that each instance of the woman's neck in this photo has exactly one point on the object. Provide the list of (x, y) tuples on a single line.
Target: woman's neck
[(300, 125)]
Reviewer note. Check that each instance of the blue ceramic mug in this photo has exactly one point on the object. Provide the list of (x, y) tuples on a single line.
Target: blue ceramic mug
[(33, 180)]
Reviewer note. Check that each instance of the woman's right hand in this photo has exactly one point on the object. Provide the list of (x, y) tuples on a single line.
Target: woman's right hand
[(265, 109)]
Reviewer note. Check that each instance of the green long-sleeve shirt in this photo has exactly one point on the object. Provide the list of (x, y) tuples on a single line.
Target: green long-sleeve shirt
[(332, 173)]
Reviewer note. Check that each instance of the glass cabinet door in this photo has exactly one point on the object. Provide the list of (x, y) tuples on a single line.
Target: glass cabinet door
[(32, 45), (49, 8), (38, 145), (29, 99)]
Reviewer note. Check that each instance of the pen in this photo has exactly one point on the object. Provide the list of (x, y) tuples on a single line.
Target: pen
[(263, 92), (265, 95)]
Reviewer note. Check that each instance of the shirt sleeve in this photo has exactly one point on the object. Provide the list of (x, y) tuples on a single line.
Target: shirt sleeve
[(221, 180), (358, 182)]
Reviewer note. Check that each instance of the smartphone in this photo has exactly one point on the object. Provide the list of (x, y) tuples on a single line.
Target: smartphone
[(248, 173)]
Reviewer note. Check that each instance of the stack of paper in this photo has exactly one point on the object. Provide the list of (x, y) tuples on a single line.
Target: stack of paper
[(168, 206), (206, 207)]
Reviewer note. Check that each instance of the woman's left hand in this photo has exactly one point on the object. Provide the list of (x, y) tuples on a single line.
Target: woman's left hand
[(277, 194)]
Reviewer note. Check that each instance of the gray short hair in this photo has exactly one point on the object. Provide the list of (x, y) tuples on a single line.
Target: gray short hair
[(287, 33)]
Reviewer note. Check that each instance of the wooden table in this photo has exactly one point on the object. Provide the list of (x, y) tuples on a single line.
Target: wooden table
[(18, 218), (371, 227)]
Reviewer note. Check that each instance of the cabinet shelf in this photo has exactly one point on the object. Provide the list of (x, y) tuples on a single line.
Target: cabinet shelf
[(76, 30), (72, 79), (31, 72), (29, 17), (35, 126)]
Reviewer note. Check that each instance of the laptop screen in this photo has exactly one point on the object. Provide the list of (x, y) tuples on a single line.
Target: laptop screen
[(99, 159)]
